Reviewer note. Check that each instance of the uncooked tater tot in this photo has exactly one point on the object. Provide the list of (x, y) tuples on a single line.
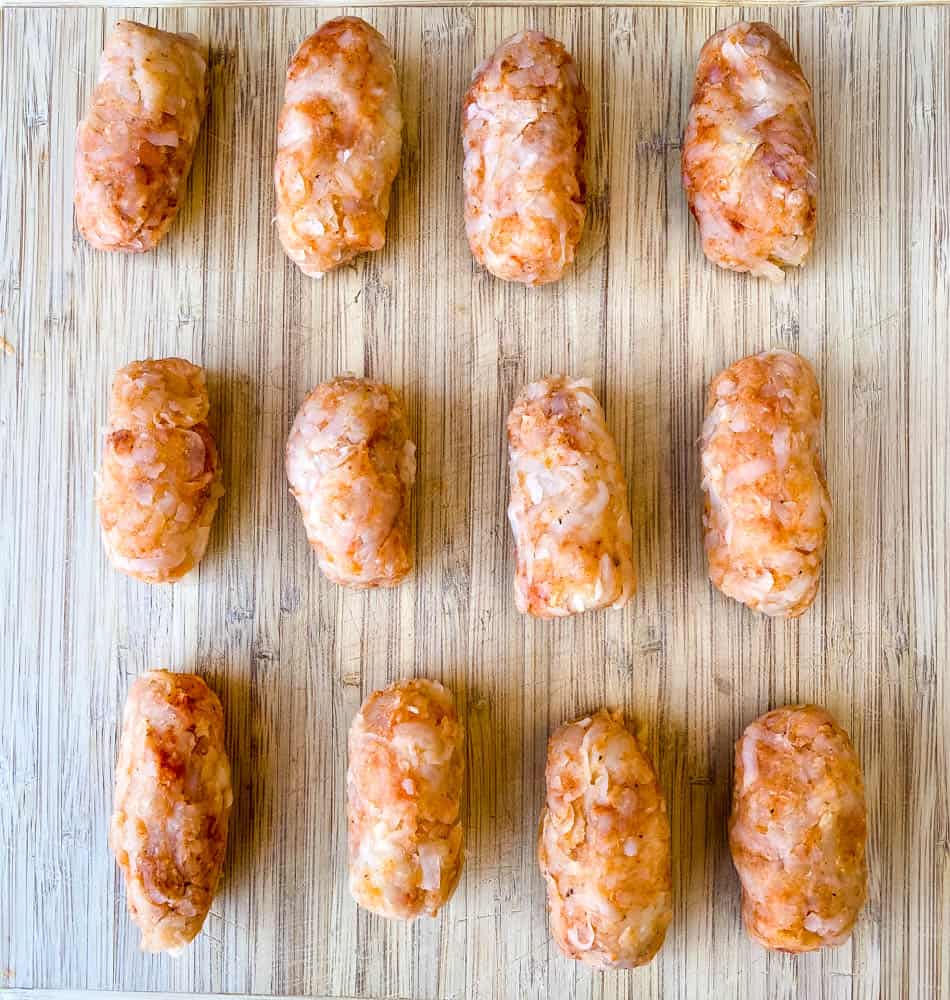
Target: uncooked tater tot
[(568, 507), (750, 155), (604, 845), (350, 465), (798, 830), (403, 798), (160, 481), (135, 146), (172, 801), (338, 142), (524, 131), (767, 506)]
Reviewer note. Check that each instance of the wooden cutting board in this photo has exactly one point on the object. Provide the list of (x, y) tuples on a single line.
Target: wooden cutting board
[(293, 656)]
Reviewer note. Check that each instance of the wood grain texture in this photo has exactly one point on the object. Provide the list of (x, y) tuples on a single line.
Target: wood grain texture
[(474, 4), (292, 656)]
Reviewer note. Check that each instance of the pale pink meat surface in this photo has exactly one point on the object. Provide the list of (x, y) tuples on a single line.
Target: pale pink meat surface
[(604, 845), (338, 144), (750, 154), (767, 507), (798, 830), (160, 480), (172, 801), (351, 465), (135, 146), (404, 789), (524, 132), (568, 507)]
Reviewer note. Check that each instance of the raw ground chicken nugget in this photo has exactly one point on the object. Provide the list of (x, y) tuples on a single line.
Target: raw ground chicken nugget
[(767, 506), (604, 845), (172, 801), (750, 155), (404, 789), (135, 147), (524, 131), (351, 465), (159, 482), (798, 830), (338, 144), (568, 507)]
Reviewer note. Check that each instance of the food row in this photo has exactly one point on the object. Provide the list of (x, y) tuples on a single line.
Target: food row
[(797, 831), (351, 466), (749, 163)]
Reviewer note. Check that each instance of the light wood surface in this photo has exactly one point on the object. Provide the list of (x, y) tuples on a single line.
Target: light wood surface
[(293, 656), (474, 4)]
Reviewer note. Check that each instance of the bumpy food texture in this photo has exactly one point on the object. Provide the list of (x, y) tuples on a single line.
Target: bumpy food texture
[(767, 506), (798, 830), (338, 144), (135, 147), (750, 154), (604, 845), (524, 131), (172, 801), (568, 507), (404, 788), (159, 483), (351, 465)]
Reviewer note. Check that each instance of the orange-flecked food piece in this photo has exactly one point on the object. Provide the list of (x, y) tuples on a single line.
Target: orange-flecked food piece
[(750, 154), (338, 143), (604, 845), (351, 465), (798, 830), (524, 132), (403, 799), (767, 506), (172, 801), (568, 507), (159, 482), (135, 146)]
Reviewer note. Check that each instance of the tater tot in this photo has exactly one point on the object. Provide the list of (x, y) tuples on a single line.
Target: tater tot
[(524, 132), (160, 481), (172, 801), (798, 830), (604, 845), (750, 154), (136, 144), (568, 507), (351, 465), (338, 143), (404, 790), (767, 506)]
